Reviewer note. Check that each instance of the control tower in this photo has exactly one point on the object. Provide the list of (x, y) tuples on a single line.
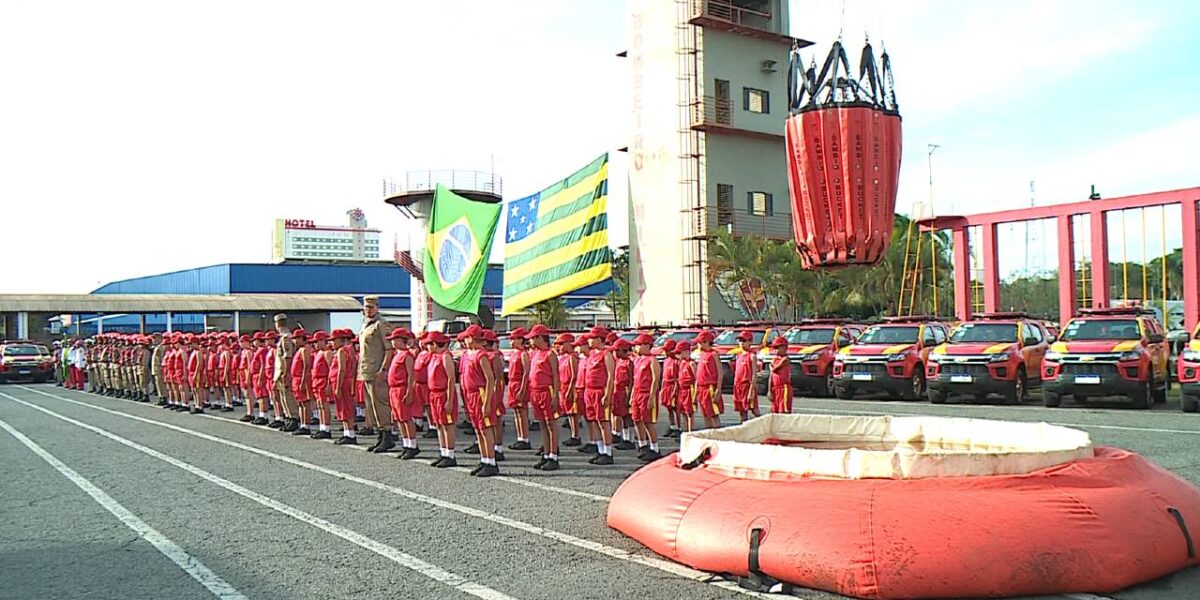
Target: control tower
[(412, 194)]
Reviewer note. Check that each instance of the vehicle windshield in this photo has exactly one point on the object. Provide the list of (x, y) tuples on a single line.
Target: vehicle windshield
[(729, 337), (984, 332), (1101, 329), (628, 335), (24, 351), (506, 344), (890, 334), (685, 335), (822, 335)]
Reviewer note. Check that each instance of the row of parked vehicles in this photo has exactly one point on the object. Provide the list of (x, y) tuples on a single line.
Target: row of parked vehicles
[(1102, 353)]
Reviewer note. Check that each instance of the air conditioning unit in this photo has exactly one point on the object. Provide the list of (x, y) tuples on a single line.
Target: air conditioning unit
[(768, 66)]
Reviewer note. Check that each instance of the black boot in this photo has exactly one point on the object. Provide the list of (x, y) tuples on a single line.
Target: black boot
[(386, 442), (378, 441), (290, 425)]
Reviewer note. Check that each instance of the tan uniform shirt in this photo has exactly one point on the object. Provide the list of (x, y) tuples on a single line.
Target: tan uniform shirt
[(284, 351), (156, 359), (372, 348)]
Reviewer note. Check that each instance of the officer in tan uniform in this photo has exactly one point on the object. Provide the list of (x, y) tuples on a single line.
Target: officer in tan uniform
[(156, 368), (372, 370), (285, 349)]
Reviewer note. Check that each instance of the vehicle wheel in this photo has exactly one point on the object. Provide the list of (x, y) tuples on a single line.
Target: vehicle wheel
[(1190, 403), (1143, 397), (843, 393), (916, 388), (824, 390), (1051, 399), (1016, 394), (937, 397), (762, 389)]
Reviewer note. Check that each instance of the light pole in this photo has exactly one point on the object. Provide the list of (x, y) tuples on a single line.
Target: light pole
[(929, 159)]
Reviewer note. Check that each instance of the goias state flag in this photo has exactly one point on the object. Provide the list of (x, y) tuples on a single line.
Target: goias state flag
[(456, 252), (557, 239)]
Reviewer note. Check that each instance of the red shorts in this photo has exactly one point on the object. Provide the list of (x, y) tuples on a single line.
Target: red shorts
[(477, 412), (498, 407), (544, 407), (421, 391), (231, 379), (514, 399), (401, 410), (667, 395), (643, 408), (781, 399), (593, 405), (298, 389), (360, 393), (741, 397), (343, 405), (709, 400), (620, 403), (318, 387), (685, 399), (568, 400), (439, 413)]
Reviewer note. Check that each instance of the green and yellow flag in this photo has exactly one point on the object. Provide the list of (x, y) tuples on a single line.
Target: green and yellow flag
[(557, 239), (456, 252)]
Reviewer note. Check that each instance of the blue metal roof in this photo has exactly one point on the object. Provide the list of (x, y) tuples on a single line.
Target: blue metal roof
[(303, 278)]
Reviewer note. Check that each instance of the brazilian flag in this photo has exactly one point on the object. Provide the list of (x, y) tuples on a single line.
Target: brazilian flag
[(456, 252)]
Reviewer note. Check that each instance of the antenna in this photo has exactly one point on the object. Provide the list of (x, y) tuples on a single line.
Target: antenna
[(929, 157)]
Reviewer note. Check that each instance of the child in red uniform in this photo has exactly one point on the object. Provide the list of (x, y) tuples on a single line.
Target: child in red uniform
[(581, 353), (322, 391), (670, 387), (543, 387), (478, 382), (443, 400), (643, 407), (745, 371), (195, 375), (708, 381), (568, 401), (517, 396), (245, 378), (599, 369), (257, 357), (622, 425), (342, 379), (272, 341), (300, 372), (685, 400), (491, 351), (401, 398), (421, 385), (212, 380), (781, 377)]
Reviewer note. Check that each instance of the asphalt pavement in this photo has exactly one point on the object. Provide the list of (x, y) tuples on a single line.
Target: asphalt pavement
[(275, 516)]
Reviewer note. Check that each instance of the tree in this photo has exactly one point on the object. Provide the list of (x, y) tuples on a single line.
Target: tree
[(552, 313), (618, 298)]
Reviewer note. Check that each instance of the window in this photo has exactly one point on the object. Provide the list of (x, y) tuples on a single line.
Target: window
[(723, 105), (939, 335), (724, 205), (928, 338), (761, 204), (756, 101)]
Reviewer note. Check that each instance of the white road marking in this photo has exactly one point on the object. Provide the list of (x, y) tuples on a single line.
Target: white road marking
[(521, 482), (190, 565), (566, 538), (431, 571)]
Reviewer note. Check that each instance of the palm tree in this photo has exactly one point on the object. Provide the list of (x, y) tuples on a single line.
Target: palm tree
[(552, 313)]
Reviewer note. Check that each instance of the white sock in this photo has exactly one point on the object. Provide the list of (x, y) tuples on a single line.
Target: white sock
[(442, 451), (552, 456), (616, 433), (324, 428), (654, 446), (350, 433), (449, 453), (521, 439), (626, 433), (262, 415), (602, 448), (490, 461), (358, 412), (498, 448)]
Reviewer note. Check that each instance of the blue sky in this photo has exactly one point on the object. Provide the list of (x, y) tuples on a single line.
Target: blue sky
[(141, 137)]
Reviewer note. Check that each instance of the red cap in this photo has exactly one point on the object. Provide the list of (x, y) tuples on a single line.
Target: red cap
[(258, 336), (643, 338), (438, 337), (318, 336), (611, 338), (684, 347), (271, 335), (538, 330), (474, 331), (705, 336), (564, 338), (779, 342), (599, 331), (342, 333), (745, 336), (520, 333), (299, 333), (244, 338), (490, 335), (622, 344)]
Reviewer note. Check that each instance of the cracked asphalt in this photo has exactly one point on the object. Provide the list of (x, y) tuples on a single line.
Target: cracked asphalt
[(316, 521)]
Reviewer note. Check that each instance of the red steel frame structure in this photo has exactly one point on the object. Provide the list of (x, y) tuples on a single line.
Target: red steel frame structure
[(1188, 199)]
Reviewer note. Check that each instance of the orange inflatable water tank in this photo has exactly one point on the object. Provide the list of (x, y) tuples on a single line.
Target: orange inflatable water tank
[(877, 507), (844, 144)]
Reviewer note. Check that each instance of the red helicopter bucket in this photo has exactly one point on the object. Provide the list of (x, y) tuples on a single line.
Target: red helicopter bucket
[(844, 144)]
